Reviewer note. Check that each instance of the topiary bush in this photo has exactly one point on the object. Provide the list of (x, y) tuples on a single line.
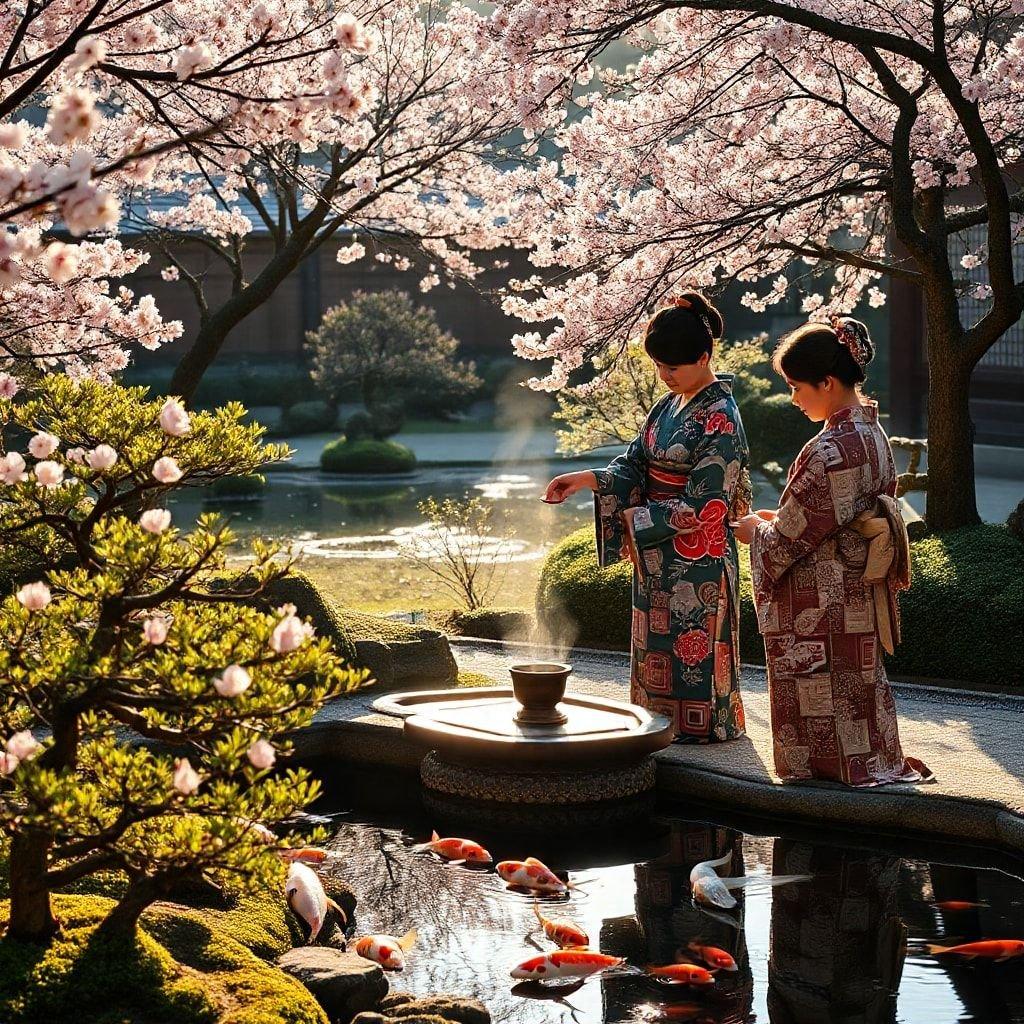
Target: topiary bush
[(313, 417), (776, 430), (495, 623), (248, 487), (966, 584), (367, 456)]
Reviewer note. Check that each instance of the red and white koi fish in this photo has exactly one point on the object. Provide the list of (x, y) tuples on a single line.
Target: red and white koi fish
[(707, 887), (565, 963), (714, 957), (991, 949), (682, 974), (957, 905), (307, 898), (386, 950), (564, 934), (460, 850), (531, 874)]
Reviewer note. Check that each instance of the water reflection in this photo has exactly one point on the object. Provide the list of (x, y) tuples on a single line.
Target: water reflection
[(848, 945), (838, 942)]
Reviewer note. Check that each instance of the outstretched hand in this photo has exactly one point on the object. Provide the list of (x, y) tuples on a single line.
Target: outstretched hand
[(568, 484), (744, 530)]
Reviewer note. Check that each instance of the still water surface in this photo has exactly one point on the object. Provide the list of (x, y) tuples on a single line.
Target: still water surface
[(337, 518), (847, 945)]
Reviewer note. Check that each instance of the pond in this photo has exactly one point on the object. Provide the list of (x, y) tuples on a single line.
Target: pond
[(329, 517), (848, 943)]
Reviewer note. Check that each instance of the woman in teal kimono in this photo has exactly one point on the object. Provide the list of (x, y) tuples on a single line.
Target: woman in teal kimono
[(667, 504)]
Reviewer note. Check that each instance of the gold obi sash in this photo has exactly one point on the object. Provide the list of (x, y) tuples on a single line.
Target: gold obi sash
[(888, 564)]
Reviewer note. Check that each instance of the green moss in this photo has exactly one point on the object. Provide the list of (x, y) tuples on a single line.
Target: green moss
[(962, 617), (469, 679), (367, 456), (181, 967)]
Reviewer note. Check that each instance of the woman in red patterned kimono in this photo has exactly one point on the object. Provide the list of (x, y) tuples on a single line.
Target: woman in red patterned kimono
[(827, 568)]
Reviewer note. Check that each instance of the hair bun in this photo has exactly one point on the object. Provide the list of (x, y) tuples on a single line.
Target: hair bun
[(854, 337), (699, 306)]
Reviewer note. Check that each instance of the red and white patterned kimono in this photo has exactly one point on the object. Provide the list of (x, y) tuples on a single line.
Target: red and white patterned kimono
[(833, 715)]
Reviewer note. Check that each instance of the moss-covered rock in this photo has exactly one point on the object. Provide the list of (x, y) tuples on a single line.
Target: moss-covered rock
[(367, 456), (457, 1009), (180, 967), (968, 586)]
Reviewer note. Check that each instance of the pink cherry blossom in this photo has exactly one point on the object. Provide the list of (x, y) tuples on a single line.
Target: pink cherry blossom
[(61, 262), (49, 473), (8, 762), (190, 59), (76, 456), (186, 779), (101, 458), (232, 682), (166, 470), (9, 385), (12, 468), (261, 754), (34, 596), (43, 445), (155, 520), (174, 419), (290, 634), (23, 745), (154, 630)]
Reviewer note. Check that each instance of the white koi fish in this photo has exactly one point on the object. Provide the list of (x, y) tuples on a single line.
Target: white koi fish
[(709, 888), (565, 963), (386, 950), (531, 874), (307, 898)]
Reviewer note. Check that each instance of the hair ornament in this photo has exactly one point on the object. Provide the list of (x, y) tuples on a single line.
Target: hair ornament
[(853, 336)]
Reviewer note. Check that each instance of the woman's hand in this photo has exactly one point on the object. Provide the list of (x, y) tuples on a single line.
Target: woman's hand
[(567, 484), (628, 517), (744, 530)]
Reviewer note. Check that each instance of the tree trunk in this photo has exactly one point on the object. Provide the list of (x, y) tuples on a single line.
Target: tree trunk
[(196, 361), (952, 501), (32, 918), (121, 921)]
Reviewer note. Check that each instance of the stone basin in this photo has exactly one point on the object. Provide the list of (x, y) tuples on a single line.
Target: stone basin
[(478, 725)]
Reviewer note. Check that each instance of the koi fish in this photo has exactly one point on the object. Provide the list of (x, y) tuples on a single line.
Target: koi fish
[(957, 905), (682, 974), (565, 963), (991, 949), (305, 854), (708, 887), (386, 950), (308, 900), (531, 874), (455, 850), (564, 934), (713, 957)]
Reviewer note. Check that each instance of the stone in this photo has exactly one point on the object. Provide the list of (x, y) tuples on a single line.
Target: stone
[(417, 1018), (342, 894), (342, 983), (402, 1005)]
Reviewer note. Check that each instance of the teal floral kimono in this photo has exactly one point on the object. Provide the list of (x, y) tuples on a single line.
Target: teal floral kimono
[(687, 473)]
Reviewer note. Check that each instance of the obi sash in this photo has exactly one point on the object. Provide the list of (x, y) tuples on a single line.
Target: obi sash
[(662, 484)]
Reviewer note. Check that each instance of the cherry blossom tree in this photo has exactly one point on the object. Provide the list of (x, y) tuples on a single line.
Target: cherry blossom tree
[(862, 139), (399, 154), (95, 99)]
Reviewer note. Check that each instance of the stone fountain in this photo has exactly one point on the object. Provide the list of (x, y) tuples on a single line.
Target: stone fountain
[(532, 743)]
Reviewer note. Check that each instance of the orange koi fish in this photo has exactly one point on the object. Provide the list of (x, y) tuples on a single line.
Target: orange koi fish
[(682, 974), (386, 950), (305, 854), (564, 934), (565, 963), (991, 949), (455, 850), (531, 874), (957, 905), (714, 957)]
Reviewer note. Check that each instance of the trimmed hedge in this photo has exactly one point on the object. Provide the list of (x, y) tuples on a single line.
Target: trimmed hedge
[(367, 456), (963, 617), (314, 417), (237, 488), (776, 430), (494, 623)]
